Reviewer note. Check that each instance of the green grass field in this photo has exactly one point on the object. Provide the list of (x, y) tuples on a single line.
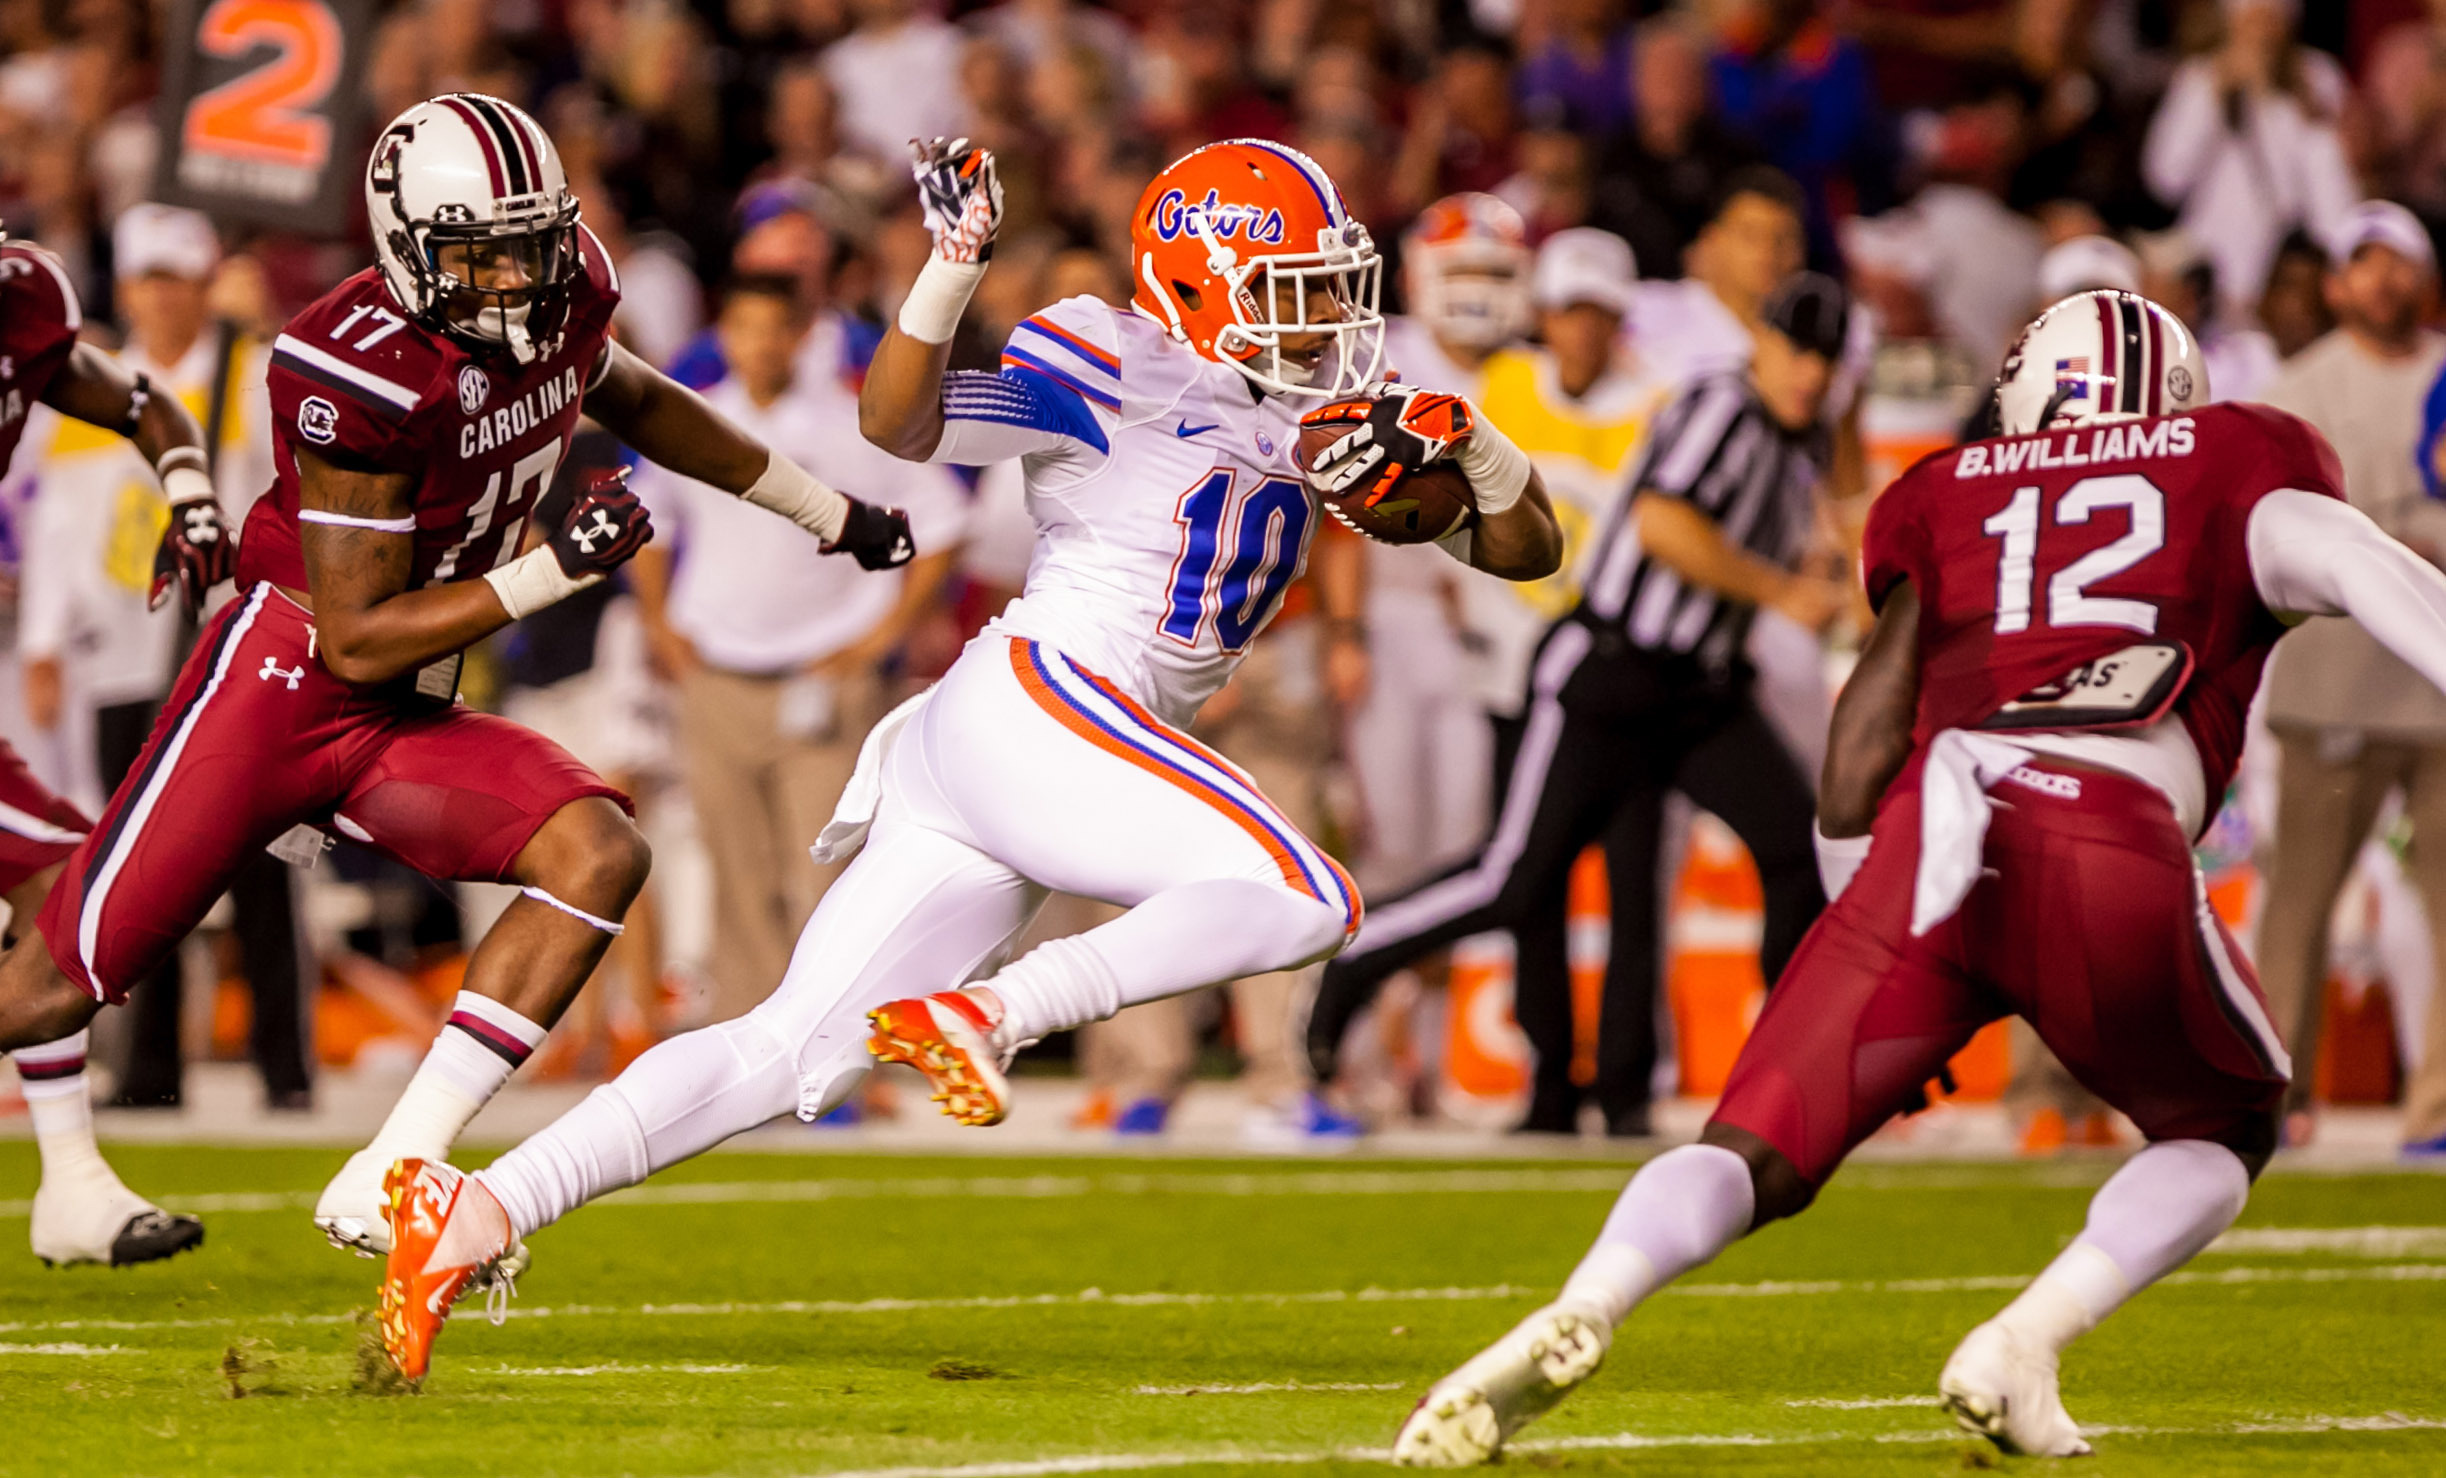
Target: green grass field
[(761, 1314)]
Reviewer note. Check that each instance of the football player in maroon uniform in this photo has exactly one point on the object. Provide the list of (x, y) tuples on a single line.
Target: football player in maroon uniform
[(420, 409), (82, 1213), (2072, 618)]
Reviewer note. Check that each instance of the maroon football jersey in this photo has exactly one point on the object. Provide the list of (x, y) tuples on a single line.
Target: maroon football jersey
[(2091, 550), (39, 318), (357, 384)]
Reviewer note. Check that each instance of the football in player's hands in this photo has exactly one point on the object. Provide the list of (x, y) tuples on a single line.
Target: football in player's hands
[(195, 554), (604, 526), (962, 197), (1380, 463), (878, 538)]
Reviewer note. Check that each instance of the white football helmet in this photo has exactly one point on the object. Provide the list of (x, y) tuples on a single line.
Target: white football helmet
[(2099, 356), (1467, 262), (465, 167)]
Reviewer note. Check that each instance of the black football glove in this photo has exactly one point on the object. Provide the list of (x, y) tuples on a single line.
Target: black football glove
[(878, 538), (604, 526), (196, 553), (1395, 434)]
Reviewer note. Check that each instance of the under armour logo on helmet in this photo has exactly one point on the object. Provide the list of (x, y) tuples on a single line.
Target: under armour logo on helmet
[(603, 527)]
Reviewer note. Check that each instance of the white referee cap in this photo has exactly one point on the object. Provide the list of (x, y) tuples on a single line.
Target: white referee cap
[(1584, 265), (149, 237)]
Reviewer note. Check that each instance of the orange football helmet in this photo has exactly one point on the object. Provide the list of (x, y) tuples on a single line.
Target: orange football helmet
[(1466, 263), (1241, 249)]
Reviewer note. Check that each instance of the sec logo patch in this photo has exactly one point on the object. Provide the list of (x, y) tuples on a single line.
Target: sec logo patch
[(474, 385), (318, 420)]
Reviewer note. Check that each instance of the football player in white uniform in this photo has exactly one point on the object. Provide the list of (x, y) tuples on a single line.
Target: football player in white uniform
[(1158, 445)]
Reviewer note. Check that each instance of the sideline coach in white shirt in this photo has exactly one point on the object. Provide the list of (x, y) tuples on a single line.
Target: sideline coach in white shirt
[(777, 651)]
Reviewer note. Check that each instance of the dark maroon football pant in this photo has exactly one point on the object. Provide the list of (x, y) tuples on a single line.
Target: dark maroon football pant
[(2091, 923), (257, 737), (37, 828)]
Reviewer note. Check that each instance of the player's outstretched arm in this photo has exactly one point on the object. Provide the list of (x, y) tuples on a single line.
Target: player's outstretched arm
[(357, 531), (196, 551), (1869, 739), (900, 407), (2313, 555), (673, 426)]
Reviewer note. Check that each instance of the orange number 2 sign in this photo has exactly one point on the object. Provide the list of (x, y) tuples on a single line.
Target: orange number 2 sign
[(265, 115)]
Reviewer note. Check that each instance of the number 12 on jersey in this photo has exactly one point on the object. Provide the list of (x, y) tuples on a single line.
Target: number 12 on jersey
[(1238, 555), (2068, 600)]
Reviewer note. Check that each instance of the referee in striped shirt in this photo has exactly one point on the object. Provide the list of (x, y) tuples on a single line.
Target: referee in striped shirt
[(1642, 690)]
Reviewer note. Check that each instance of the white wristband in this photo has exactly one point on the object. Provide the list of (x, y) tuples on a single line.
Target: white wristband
[(1498, 471), (186, 485), (799, 496), (936, 300), (1839, 860), (533, 581)]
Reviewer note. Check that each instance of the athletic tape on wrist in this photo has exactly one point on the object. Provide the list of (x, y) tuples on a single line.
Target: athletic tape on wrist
[(180, 456), (931, 312), (571, 909), (351, 521), (801, 497), (1498, 470), (1839, 860), (183, 484), (533, 581)]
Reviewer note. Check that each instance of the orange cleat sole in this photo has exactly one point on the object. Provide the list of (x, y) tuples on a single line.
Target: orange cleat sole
[(904, 1032), (408, 1355)]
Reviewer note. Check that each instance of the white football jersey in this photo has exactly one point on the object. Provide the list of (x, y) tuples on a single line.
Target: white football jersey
[(1170, 518)]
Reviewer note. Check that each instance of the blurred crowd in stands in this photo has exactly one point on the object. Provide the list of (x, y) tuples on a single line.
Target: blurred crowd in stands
[(1955, 162)]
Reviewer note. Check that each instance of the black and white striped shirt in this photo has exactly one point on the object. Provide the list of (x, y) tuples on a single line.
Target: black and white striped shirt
[(1718, 447)]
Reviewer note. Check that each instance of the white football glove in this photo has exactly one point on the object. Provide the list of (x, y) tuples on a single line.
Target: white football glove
[(962, 198)]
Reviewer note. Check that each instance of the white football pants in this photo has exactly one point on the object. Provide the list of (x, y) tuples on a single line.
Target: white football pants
[(1021, 773)]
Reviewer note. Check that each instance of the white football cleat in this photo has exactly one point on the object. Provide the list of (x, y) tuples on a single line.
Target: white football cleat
[(350, 1210), (2002, 1387), (1468, 1414), (94, 1218)]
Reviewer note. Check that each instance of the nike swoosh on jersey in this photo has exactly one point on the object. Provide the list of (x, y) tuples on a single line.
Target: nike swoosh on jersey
[(1184, 430)]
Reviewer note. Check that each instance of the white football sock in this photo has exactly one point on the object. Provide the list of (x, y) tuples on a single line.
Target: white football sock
[(52, 1077), (1678, 1212), (481, 1044), (679, 1099), (2154, 1215), (1192, 935)]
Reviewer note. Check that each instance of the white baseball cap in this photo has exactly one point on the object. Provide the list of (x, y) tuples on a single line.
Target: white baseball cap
[(151, 237), (2085, 263), (2380, 223), (1584, 265)]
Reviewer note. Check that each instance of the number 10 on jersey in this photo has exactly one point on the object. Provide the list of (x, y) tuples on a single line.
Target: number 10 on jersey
[(1238, 554)]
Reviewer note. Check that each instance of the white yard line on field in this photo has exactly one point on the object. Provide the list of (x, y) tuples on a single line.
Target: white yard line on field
[(1096, 1298), (61, 1349), (1218, 1456), (2339, 1241), (1863, 1403), (1012, 1187), (1263, 1387), (610, 1368)]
